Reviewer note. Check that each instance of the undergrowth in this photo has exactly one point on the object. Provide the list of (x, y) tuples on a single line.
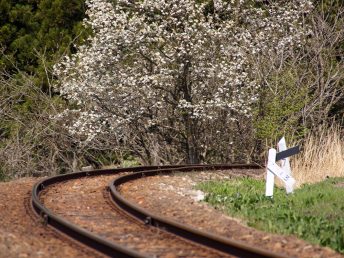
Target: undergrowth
[(3, 176), (313, 212), (315, 163)]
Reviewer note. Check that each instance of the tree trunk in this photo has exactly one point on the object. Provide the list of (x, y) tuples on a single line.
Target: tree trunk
[(192, 150)]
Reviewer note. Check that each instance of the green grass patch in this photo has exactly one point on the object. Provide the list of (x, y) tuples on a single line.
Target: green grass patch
[(3, 176), (130, 161), (314, 212)]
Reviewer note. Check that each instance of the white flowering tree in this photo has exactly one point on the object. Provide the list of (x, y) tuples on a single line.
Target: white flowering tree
[(166, 77)]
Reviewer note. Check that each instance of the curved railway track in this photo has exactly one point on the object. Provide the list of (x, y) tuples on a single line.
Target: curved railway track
[(124, 229)]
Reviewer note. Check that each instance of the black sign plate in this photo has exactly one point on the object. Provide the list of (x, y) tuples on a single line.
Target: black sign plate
[(287, 153)]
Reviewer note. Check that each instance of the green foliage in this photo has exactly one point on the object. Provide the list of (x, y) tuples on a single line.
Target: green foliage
[(129, 161), (329, 7), (2, 175), (280, 105), (314, 212), (33, 36), (30, 30)]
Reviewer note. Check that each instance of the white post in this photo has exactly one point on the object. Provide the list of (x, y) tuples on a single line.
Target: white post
[(283, 172), (270, 177), (285, 164), (282, 146), (278, 171)]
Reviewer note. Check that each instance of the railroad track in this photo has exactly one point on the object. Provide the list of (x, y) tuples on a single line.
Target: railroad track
[(100, 218)]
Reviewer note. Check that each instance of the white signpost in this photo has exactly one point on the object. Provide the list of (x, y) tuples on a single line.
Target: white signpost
[(283, 172), (285, 164)]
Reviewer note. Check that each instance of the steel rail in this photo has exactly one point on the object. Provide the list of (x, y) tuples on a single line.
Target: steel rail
[(210, 240), (71, 230)]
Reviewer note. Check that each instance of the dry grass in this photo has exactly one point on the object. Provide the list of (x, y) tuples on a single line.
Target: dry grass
[(322, 156)]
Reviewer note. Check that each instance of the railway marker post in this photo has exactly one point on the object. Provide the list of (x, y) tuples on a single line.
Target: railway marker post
[(285, 164), (283, 171)]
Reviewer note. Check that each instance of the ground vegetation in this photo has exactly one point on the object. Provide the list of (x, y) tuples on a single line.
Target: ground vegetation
[(313, 212)]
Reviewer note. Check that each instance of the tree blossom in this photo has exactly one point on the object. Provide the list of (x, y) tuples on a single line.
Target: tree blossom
[(169, 68)]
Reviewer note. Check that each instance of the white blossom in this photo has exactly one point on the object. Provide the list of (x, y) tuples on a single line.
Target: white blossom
[(151, 61)]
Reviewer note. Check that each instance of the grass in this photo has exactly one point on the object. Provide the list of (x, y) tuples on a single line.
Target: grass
[(130, 162), (322, 156), (3, 176), (313, 212)]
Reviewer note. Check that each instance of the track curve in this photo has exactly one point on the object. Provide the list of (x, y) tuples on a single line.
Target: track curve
[(219, 243), (113, 249)]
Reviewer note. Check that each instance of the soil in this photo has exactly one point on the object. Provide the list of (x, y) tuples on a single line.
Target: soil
[(85, 202), (24, 235)]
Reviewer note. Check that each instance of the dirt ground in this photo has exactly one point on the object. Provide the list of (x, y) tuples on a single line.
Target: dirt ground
[(24, 235)]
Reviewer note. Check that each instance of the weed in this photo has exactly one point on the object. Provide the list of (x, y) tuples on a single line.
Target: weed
[(3, 176), (313, 212), (322, 156)]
